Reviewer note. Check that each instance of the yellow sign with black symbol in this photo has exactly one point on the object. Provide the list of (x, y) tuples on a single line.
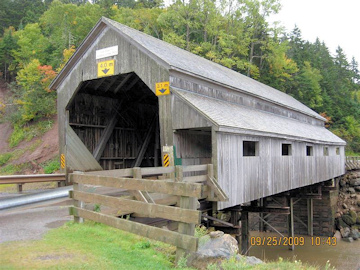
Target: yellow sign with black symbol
[(106, 68), (166, 160), (62, 161), (162, 88)]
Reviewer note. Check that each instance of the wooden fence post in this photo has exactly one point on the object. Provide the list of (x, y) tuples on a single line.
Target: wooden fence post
[(187, 203)]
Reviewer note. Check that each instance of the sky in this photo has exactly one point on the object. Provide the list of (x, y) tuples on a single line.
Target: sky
[(336, 22)]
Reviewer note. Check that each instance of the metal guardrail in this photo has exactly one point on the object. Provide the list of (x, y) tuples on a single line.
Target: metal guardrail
[(32, 178)]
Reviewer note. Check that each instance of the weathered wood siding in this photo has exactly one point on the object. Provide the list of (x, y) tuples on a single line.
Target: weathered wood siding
[(78, 156), (186, 82), (130, 59), (249, 178)]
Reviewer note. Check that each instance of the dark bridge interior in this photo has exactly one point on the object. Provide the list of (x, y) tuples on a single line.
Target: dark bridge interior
[(117, 119)]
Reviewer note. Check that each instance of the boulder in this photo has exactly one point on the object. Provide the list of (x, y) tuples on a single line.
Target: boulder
[(348, 239), (351, 190), (337, 235), (354, 182), (357, 188), (349, 219), (340, 223), (358, 220), (345, 232), (215, 248), (354, 233)]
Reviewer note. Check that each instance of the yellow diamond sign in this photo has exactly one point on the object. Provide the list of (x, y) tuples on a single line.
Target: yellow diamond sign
[(106, 68), (162, 88)]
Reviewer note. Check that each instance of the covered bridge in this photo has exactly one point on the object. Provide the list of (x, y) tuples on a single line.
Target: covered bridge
[(261, 141)]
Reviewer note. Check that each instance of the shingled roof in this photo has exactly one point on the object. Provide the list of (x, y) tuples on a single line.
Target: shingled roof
[(182, 60), (174, 58)]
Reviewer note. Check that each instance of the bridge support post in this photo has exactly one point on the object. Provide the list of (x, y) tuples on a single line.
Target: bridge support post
[(310, 213), (245, 233), (291, 222)]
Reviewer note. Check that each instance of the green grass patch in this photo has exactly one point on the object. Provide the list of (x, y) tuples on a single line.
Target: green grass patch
[(13, 169), (87, 246), (51, 166), (4, 158)]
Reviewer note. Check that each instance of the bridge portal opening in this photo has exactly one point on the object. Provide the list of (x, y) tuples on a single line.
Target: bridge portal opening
[(116, 118)]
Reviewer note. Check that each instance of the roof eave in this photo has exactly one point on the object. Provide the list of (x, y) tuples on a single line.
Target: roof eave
[(316, 115)]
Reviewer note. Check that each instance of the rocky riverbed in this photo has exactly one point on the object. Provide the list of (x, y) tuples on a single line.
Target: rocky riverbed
[(348, 211)]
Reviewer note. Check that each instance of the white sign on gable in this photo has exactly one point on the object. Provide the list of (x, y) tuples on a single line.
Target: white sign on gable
[(106, 52)]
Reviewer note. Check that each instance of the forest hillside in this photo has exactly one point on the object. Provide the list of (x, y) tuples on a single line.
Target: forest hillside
[(37, 37)]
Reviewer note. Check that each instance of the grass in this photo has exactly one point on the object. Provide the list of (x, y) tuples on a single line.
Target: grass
[(92, 245), (87, 246), (51, 166)]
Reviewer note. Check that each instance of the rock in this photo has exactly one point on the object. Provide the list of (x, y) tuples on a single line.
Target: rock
[(349, 219), (358, 203), (348, 239), (340, 223), (337, 235), (354, 182), (353, 196), (357, 188), (213, 250), (252, 260), (344, 206), (345, 232), (351, 190), (342, 183), (216, 234), (358, 220), (354, 233)]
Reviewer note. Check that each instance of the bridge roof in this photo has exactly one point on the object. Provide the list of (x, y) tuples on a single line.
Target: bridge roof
[(175, 58), (182, 60), (230, 116)]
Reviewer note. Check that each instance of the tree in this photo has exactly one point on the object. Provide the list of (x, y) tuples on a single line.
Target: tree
[(35, 99), (7, 45)]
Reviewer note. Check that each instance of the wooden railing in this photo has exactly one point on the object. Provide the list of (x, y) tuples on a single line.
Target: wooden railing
[(183, 185), (352, 163)]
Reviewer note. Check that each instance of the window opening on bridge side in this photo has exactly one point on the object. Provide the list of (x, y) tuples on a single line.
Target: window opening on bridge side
[(286, 149), (309, 151), (250, 148), (326, 151), (337, 150)]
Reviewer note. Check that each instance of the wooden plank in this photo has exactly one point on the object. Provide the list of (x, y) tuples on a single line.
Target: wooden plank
[(143, 196), (113, 173), (195, 179), (141, 208), (123, 83), (219, 193), (173, 238), (157, 170), (159, 186), (195, 168)]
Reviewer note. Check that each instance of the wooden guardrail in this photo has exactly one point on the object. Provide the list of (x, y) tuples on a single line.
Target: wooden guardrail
[(352, 163), (183, 187), (34, 178)]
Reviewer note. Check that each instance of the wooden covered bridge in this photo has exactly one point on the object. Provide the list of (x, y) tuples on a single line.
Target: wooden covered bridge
[(128, 100)]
